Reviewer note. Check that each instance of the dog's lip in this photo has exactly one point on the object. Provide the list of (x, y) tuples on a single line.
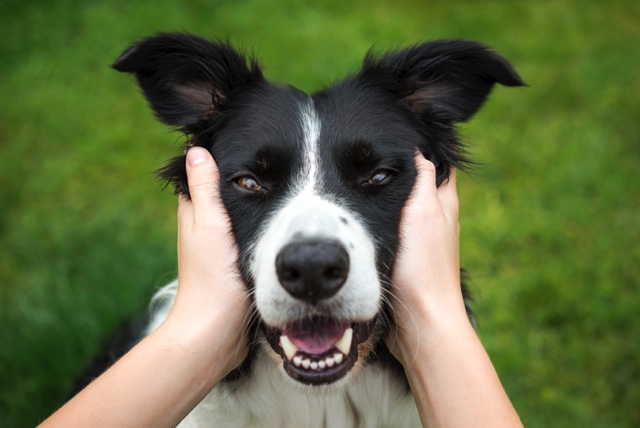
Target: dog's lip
[(359, 332)]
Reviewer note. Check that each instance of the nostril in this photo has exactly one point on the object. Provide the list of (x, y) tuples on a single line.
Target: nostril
[(289, 275), (334, 273)]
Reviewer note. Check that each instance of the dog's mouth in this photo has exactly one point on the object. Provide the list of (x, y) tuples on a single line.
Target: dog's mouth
[(318, 350)]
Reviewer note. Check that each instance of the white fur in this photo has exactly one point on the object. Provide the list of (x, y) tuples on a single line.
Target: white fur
[(311, 128)]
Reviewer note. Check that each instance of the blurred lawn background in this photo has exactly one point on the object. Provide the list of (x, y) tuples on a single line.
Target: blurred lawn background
[(550, 222)]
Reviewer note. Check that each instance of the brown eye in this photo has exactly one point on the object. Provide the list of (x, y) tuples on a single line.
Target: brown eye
[(379, 177), (249, 183)]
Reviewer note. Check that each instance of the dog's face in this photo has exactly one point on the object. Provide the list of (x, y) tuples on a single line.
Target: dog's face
[(315, 184)]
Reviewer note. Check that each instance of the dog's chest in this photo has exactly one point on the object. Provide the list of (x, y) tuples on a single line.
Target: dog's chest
[(374, 398)]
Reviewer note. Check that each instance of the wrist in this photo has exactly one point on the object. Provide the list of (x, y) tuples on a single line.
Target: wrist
[(213, 340), (427, 320)]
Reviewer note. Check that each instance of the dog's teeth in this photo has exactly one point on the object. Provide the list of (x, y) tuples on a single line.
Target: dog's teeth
[(289, 348), (344, 344), (326, 363)]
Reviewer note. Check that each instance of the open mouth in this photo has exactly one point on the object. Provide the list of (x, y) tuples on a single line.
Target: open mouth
[(318, 350)]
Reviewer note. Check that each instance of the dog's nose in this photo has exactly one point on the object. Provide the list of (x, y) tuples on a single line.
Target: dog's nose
[(312, 270)]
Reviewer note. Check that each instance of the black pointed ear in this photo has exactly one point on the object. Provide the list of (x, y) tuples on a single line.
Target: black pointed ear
[(185, 78), (450, 79)]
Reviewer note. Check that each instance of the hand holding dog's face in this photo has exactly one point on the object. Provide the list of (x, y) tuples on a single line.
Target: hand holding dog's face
[(426, 279), (210, 289)]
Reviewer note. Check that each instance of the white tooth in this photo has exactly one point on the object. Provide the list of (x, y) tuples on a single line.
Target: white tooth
[(306, 363), (330, 362), (289, 348), (344, 344), (314, 366), (322, 365), (297, 360), (337, 358)]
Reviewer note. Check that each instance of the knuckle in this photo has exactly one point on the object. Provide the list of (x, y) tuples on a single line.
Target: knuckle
[(198, 184)]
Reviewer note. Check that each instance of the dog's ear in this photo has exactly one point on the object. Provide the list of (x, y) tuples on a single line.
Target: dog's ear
[(186, 79), (441, 83), (447, 79)]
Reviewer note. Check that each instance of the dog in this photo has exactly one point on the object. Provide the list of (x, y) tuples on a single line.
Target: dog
[(314, 186)]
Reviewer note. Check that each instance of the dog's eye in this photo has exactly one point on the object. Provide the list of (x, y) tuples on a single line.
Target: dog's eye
[(381, 176), (249, 183)]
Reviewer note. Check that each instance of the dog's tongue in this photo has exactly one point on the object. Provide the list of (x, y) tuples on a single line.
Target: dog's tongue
[(315, 336)]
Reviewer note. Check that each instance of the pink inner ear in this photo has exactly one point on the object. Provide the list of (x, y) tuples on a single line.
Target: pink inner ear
[(432, 95), (315, 336), (200, 95)]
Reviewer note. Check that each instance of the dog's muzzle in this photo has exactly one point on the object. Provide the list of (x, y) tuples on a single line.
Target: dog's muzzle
[(316, 288), (319, 349)]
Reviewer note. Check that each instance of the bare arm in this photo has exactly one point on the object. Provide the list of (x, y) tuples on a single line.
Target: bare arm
[(168, 373), (451, 376)]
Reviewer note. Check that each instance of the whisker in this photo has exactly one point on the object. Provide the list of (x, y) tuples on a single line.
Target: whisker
[(387, 296)]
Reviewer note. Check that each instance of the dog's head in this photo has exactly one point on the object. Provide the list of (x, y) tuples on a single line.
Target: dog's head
[(315, 184)]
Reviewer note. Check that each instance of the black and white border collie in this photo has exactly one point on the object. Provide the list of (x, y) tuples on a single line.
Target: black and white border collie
[(314, 186)]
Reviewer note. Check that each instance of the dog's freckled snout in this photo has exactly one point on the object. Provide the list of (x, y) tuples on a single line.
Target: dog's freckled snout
[(312, 270)]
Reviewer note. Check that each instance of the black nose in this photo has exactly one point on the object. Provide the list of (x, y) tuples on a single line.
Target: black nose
[(312, 270)]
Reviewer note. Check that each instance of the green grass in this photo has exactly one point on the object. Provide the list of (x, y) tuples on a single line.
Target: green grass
[(550, 223)]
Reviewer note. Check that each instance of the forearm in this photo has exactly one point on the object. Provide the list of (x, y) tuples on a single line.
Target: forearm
[(453, 380), (156, 384)]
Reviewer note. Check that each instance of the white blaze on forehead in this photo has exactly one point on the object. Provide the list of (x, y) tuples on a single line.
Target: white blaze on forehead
[(311, 130)]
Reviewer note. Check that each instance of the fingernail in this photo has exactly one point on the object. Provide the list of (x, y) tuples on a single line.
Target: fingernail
[(196, 156)]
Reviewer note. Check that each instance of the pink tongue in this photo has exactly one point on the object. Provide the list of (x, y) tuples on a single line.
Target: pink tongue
[(315, 336)]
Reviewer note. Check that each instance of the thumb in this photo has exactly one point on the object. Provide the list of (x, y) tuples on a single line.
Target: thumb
[(424, 188), (203, 178), (426, 172)]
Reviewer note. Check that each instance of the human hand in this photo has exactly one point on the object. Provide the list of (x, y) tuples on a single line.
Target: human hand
[(211, 310), (426, 278)]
